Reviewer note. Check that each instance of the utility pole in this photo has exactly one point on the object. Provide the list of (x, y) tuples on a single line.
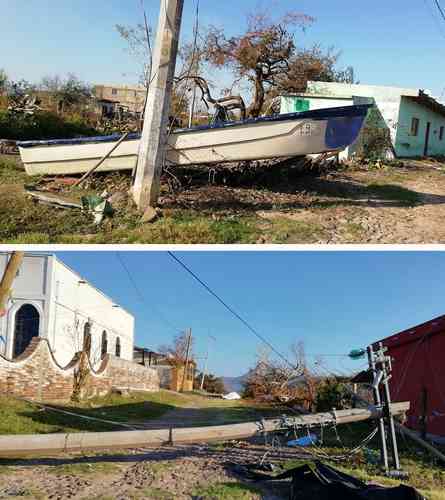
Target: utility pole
[(154, 133), (187, 356), (204, 373), (7, 280)]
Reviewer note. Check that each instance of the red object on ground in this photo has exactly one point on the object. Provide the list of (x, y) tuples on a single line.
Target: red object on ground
[(419, 374), (3, 312)]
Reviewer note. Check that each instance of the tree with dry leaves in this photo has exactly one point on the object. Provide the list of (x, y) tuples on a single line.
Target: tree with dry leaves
[(312, 64), (261, 55), (275, 381)]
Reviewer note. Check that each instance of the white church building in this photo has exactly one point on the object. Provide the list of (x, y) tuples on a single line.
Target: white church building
[(52, 301)]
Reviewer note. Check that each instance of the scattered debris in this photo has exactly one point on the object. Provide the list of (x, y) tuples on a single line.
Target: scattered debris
[(309, 440), (8, 147), (53, 200), (318, 480), (150, 215), (99, 206)]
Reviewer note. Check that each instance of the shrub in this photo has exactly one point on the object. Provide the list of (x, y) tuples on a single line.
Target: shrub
[(42, 125), (332, 394)]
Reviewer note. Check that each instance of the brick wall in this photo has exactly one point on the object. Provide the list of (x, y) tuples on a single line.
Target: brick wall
[(36, 375)]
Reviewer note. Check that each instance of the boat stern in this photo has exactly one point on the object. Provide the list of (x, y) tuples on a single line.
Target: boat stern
[(342, 131)]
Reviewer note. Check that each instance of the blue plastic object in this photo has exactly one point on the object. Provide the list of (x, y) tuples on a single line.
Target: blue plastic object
[(304, 441)]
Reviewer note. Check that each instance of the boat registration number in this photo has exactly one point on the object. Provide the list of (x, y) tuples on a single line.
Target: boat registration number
[(309, 129)]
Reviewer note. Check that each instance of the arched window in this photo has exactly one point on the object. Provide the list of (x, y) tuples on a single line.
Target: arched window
[(118, 347), (104, 344), (86, 346), (27, 322)]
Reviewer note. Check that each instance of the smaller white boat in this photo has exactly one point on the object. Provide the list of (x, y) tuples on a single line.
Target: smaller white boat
[(293, 134)]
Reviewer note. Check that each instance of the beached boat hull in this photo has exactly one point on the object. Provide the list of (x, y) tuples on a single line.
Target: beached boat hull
[(295, 134)]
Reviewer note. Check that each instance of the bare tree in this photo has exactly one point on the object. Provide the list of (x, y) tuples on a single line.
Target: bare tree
[(176, 352)]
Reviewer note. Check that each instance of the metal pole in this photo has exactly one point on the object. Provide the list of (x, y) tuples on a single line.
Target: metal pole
[(192, 107), (378, 403), (389, 416), (154, 138)]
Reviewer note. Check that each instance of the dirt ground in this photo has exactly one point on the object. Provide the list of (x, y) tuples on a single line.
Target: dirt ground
[(183, 472), (398, 203)]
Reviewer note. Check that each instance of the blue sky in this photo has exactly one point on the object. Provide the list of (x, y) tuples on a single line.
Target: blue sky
[(395, 42), (333, 301)]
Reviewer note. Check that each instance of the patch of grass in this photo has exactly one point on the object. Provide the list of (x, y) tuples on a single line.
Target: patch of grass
[(19, 417), (394, 193), (157, 494), (285, 230), (83, 468), (226, 491), (354, 231), (11, 171)]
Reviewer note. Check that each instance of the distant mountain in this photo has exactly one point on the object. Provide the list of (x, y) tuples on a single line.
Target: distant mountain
[(235, 384)]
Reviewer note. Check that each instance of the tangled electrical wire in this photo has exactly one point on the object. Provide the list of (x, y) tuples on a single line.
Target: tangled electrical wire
[(291, 429)]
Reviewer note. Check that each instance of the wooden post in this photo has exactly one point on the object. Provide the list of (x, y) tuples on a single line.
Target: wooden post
[(187, 355), (9, 275), (154, 133)]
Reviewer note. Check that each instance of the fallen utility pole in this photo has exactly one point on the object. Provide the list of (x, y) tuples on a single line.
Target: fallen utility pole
[(413, 435), (15, 446), (12, 267), (154, 133)]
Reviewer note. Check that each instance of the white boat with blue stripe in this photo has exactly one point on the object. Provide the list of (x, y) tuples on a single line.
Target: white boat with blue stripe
[(287, 135)]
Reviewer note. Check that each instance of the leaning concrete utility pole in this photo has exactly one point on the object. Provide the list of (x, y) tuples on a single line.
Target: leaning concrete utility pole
[(154, 133), (7, 280), (187, 357)]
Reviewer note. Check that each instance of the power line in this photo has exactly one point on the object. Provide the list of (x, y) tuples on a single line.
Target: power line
[(142, 298), (231, 310), (441, 10), (435, 18)]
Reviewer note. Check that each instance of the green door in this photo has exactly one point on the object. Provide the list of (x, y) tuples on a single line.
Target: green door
[(301, 105)]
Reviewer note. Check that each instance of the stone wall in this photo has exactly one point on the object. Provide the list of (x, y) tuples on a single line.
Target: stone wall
[(36, 375)]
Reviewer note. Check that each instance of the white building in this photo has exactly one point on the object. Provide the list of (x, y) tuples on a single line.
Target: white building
[(51, 300), (413, 120)]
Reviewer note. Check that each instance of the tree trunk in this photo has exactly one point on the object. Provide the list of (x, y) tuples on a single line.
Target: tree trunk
[(258, 100)]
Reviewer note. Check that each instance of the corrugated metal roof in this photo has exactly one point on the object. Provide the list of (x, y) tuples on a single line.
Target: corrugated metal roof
[(432, 327)]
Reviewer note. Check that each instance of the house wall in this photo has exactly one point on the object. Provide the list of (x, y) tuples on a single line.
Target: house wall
[(409, 145), (131, 96), (177, 380), (32, 286), (387, 99), (395, 109), (37, 375), (64, 305), (418, 375), (73, 304)]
